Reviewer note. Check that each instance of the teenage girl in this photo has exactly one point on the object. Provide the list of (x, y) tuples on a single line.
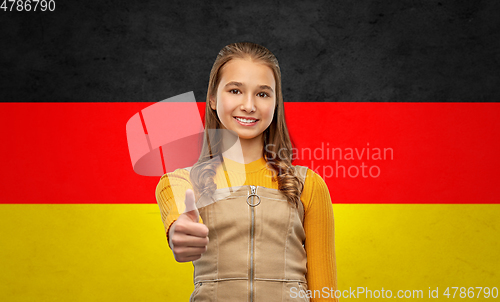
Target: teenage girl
[(266, 231)]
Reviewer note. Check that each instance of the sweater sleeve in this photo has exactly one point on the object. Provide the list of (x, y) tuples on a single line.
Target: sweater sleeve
[(320, 237), (170, 194)]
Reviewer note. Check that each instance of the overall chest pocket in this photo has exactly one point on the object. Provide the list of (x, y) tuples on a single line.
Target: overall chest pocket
[(203, 292), (303, 288)]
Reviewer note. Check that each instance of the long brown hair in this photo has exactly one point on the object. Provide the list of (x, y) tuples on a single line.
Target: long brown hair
[(276, 137)]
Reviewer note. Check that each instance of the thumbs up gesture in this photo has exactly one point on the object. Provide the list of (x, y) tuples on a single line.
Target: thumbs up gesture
[(188, 237)]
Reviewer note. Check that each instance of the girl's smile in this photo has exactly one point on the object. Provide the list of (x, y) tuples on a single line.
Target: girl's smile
[(246, 121)]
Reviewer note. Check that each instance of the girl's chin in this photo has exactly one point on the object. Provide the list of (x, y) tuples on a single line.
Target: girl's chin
[(248, 137), (242, 134)]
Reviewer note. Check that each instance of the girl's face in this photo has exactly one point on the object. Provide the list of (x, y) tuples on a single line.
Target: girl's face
[(245, 98)]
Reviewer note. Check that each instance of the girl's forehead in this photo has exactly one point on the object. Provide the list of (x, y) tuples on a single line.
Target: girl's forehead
[(246, 71)]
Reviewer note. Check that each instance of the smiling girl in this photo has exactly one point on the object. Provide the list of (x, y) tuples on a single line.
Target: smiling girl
[(266, 231)]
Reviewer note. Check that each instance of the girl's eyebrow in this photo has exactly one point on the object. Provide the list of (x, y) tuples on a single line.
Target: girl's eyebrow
[(239, 84), (265, 87), (234, 83)]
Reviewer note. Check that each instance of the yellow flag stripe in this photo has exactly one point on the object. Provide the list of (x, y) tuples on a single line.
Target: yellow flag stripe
[(101, 252)]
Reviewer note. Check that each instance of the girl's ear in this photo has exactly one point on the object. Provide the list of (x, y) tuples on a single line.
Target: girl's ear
[(212, 103)]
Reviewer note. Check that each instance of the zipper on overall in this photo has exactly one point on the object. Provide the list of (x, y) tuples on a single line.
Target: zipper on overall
[(253, 193)]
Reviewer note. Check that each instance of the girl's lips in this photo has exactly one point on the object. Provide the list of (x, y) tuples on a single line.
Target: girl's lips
[(246, 118), (246, 124)]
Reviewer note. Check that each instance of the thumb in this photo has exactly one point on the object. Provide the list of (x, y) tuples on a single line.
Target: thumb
[(191, 210)]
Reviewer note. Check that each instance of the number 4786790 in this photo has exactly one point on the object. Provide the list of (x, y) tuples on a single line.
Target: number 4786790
[(28, 5)]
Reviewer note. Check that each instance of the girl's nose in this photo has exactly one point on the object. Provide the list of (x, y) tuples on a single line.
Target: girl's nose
[(248, 104)]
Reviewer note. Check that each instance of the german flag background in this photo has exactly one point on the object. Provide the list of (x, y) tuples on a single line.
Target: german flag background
[(393, 103)]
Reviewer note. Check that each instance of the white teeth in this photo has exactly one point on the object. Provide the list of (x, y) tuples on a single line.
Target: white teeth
[(245, 120)]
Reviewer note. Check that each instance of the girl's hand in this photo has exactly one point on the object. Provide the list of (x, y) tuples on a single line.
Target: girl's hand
[(188, 237)]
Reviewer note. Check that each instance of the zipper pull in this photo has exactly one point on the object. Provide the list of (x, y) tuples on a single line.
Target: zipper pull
[(253, 193)]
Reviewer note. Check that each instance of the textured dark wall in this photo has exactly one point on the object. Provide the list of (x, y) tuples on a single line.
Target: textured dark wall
[(397, 51)]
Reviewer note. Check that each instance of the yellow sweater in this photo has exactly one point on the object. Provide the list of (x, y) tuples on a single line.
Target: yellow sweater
[(318, 218)]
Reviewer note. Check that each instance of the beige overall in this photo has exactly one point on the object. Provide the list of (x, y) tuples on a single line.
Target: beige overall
[(255, 251)]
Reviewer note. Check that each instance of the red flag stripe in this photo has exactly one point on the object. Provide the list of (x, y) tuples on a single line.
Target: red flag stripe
[(434, 152)]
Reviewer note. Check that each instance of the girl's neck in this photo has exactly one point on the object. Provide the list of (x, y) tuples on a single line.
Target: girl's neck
[(244, 150)]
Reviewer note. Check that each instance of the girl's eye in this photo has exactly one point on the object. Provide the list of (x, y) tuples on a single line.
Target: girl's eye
[(234, 91), (263, 94)]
